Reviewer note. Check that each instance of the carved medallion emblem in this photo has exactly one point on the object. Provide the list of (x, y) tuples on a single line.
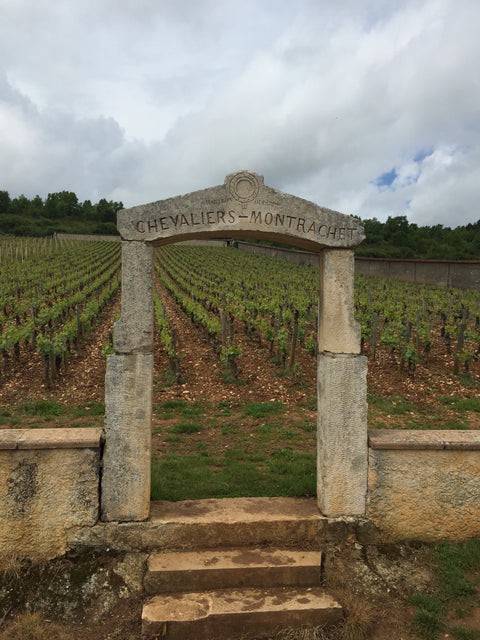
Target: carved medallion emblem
[(244, 186)]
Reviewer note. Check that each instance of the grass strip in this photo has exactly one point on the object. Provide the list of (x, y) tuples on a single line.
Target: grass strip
[(455, 594), (235, 474)]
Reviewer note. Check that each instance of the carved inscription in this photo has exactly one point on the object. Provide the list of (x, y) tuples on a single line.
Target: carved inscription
[(183, 220), (277, 221)]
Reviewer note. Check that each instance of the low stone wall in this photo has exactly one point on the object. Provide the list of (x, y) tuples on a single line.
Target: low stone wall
[(424, 485), (460, 274), (87, 236), (49, 486), (206, 243)]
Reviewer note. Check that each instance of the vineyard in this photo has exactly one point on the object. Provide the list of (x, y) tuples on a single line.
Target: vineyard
[(231, 327), (51, 295), (276, 304)]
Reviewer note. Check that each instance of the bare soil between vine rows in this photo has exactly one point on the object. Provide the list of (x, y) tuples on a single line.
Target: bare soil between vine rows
[(261, 377)]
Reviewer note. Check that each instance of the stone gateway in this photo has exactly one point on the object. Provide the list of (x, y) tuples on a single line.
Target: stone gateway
[(243, 207)]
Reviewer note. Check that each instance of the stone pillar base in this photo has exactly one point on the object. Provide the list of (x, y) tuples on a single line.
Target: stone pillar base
[(127, 455), (342, 459)]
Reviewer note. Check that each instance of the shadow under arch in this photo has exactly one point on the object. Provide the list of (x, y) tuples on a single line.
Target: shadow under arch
[(243, 207)]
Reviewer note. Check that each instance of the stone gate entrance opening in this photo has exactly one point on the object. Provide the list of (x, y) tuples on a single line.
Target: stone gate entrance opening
[(243, 207)]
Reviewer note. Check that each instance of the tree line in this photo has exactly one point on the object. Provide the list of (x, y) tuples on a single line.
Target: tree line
[(60, 212), (395, 238)]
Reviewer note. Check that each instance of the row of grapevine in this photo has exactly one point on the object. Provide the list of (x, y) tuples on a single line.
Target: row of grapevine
[(277, 302), (277, 308), (197, 313), (405, 318), (51, 297), (168, 336), (51, 291)]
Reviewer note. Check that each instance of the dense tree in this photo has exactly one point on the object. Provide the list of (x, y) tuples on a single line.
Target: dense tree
[(62, 205), (19, 206), (4, 201), (107, 211), (60, 212), (397, 238)]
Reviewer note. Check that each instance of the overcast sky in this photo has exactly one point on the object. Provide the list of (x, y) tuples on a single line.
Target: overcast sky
[(369, 107)]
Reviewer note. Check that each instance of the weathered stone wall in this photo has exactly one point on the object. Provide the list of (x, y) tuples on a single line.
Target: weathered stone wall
[(461, 274), (424, 485), (49, 486), (87, 236)]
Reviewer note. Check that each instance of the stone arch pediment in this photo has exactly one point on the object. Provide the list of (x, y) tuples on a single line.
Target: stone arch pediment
[(243, 207)]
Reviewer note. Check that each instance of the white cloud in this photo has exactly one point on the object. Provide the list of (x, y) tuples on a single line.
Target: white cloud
[(137, 101)]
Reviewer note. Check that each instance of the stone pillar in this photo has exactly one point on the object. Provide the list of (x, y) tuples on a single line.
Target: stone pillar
[(127, 453), (342, 452), (134, 331), (125, 491)]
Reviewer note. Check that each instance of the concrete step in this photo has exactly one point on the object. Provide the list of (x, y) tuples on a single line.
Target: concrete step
[(227, 613), (225, 568)]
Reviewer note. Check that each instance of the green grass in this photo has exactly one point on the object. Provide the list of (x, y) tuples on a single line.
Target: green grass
[(455, 594), (394, 405), (428, 625), (168, 379), (174, 408), (455, 425), (427, 602), (6, 417), (464, 633), (34, 414), (310, 403), (224, 408), (173, 437), (229, 429), (46, 409), (466, 380), (235, 474), (395, 412), (186, 427), (90, 409), (264, 409), (462, 404), (308, 427), (254, 451)]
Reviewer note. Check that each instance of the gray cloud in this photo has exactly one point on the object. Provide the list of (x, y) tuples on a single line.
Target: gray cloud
[(137, 101)]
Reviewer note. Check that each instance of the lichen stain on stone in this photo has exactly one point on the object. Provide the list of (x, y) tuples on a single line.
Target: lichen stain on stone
[(460, 491), (22, 487)]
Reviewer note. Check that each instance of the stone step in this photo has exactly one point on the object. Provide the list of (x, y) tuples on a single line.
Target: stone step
[(225, 568), (225, 522), (228, 613)]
